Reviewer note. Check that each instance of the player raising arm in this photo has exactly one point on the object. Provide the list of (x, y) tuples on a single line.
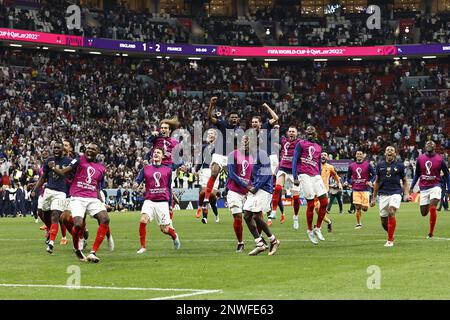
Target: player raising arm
[(265, 135), (228, 132), (162, 139), (204, 172)]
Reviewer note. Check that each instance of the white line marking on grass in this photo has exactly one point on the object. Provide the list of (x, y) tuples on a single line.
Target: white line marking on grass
[(95, 287), (187, 295), (193, 292), (438, 238)]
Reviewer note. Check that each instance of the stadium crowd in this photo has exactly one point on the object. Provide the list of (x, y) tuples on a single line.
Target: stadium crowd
[(287, 26), (119, 101)]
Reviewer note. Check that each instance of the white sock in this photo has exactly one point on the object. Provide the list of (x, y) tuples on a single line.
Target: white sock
[(272, 238), (295, 218), (258, 240)]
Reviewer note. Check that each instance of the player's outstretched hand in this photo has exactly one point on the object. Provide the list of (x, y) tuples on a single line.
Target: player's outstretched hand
[(372, 202), (155, 133), (213, 100), (265, 105)]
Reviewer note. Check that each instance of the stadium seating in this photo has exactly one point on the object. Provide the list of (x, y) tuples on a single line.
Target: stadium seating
[(119, 102)]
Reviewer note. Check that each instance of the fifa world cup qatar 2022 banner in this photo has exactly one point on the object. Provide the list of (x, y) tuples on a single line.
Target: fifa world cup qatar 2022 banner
[(306, 51), (17, 35), (41, 37)]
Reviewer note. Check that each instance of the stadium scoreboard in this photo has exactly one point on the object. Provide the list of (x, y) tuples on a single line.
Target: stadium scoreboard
[(124, 46)]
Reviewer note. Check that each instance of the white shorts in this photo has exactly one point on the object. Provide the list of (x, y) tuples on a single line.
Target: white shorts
[(80, 206), (221, 160), (235, 202), (312, 186), (259, 202), (203, 177), (389, 201), (102, 195), (53, 200), (172, 178), (158, 211), (288, 181), (427, 195), (40, 202), (273, 162), (67, 205)]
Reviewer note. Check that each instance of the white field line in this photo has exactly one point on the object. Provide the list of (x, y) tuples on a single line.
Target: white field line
[(187, 295), (193, 292)]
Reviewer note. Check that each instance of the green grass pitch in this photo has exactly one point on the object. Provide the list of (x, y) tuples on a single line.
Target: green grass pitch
[(207, 267)]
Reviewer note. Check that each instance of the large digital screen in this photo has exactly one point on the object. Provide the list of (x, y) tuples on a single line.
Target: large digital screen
[(423, 49), (213, 50), (306, 51), (154, 48)]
